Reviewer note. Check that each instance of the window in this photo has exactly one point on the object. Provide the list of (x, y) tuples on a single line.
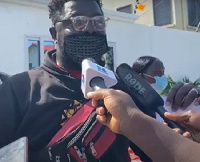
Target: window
[(126, 9), (48, 46), (162, 12), (109, 56), (36, 48), (34, 53), (193, 12)]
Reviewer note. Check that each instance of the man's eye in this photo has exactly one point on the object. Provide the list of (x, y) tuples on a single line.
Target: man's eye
[(80, 22), (66, 22)]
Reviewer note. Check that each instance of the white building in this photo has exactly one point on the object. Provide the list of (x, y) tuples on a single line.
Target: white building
[(25, 23), (176, 14)]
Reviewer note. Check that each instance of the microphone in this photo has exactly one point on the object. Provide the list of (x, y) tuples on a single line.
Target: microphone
[(145, 97), (95, 77)]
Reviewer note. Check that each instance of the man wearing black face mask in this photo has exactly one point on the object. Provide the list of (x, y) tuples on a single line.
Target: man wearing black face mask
[(37, 103), (78, 35)]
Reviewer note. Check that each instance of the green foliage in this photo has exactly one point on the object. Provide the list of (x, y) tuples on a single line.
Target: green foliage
[(171, 83)]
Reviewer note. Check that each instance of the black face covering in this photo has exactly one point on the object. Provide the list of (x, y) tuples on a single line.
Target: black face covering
[(81, 46)]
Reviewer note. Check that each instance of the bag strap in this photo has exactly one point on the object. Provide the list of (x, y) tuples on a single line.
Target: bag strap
[(77, 119)]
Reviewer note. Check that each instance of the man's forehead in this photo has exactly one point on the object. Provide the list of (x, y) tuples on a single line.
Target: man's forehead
[(81, 8)]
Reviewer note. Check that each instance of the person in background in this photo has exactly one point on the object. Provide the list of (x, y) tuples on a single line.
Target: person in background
[(180, 97), (152, 70), (158, 141)]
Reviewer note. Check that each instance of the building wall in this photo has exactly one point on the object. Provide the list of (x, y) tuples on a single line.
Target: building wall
[(179, 12), (179, 50), (144, 17), (19, 19), (114, 4)]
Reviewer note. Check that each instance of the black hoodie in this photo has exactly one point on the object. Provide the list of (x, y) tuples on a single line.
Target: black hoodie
[(36, 103)]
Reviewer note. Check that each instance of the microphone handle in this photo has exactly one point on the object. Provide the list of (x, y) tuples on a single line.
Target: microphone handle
[(96, 84), (161, 110)]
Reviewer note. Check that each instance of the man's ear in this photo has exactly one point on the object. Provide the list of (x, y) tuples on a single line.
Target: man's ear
[(148, 79), (52, 31)]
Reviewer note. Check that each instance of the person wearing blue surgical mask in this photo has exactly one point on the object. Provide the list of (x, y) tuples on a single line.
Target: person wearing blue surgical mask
[(152, 70), (181, 97)]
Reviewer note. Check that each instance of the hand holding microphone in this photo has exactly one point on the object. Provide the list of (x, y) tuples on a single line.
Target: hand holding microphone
[(96, 77), (147, 133), (120, 106)]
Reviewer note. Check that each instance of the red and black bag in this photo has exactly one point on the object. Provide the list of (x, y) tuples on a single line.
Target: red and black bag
[(81, 139)]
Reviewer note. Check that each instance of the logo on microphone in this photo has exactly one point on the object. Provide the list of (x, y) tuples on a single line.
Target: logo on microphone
[(83, 79), (102, 69), (136, 85)]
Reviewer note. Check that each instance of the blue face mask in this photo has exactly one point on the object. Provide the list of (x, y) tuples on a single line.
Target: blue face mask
[(160, 84)]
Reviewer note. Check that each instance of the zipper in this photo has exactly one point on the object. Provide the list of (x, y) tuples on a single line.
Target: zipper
[(84, 155), (93, 141), (93, 150), (57, 158), (68, 156), (80, 133), (78, 152), (88, 131), (100, 132), (50, 153)]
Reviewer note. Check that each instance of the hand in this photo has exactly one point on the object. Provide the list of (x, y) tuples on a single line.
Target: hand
[(182, 95), (118, 104), (190, 120), (177, 130)]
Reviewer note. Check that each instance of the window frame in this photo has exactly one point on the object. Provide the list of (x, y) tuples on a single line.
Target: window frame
[(172, 15), (41, 40), (113, 45), (188, 25), (122, 7)]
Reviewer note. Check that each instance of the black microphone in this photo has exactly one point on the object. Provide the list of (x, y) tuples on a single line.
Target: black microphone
[(145, 97), (95, 77)]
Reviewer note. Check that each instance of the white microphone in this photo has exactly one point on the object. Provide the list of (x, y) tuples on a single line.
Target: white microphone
[(95, 77)]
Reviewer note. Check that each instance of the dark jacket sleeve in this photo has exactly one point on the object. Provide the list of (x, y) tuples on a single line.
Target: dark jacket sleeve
[(9, 114), (4, 77)]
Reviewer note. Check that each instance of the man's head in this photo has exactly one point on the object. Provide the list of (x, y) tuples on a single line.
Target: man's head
[(79, 29)]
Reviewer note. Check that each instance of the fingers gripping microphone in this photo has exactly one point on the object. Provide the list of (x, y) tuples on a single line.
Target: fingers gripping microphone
[(95, 77), (145, 97)]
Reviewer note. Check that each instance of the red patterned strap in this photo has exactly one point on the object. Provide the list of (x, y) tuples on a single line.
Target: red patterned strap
[(78, 118)]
